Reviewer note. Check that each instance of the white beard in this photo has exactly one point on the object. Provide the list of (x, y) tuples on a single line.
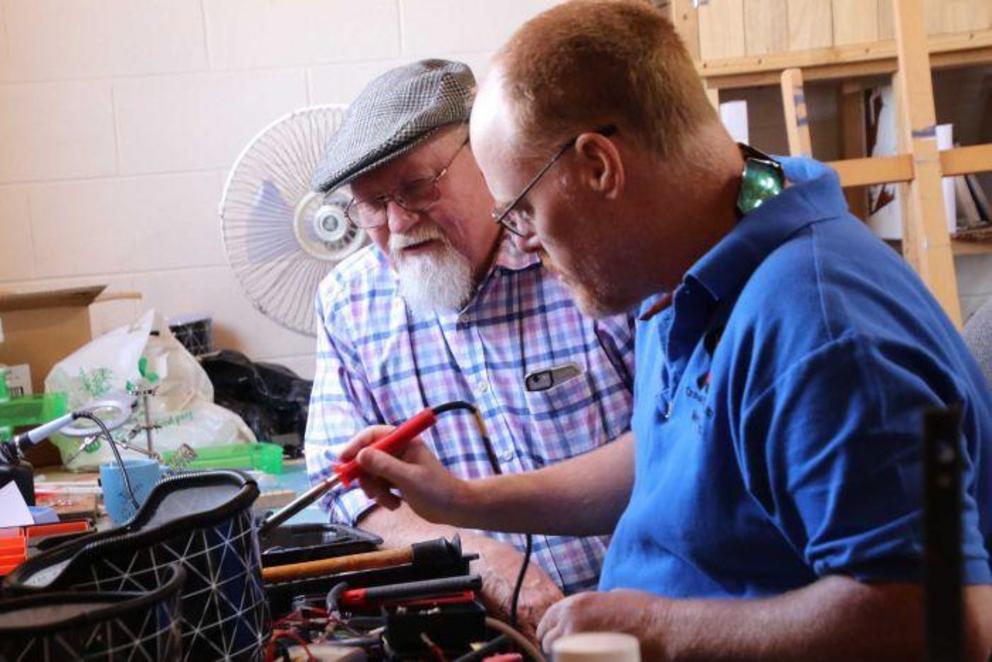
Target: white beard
[(440, 281)]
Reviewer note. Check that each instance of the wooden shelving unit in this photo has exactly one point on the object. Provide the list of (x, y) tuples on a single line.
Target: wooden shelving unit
[(748, 43), (841, 62)]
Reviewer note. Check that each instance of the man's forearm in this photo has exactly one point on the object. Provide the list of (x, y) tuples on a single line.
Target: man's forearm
[(834, 618), (581, 496), (402, 526)]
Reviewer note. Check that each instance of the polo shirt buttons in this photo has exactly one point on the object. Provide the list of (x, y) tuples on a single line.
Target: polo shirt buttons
[(482, 386), (507, 455)]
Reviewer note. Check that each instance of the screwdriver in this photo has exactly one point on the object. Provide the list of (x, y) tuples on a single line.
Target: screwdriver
[(347, 472)]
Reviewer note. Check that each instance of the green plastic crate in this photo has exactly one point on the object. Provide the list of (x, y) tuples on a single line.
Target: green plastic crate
[(261, 456), (33, 409)]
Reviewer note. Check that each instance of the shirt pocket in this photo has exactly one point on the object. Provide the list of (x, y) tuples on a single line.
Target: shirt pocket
[(565, 421)]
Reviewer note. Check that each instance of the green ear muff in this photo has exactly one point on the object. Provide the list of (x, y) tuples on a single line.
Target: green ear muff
[(762, 179)]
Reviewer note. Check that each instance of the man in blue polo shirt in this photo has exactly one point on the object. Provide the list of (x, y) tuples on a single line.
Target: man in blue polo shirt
[(771, 506)]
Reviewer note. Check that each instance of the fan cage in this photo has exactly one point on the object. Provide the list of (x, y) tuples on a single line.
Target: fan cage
[(269, 218)]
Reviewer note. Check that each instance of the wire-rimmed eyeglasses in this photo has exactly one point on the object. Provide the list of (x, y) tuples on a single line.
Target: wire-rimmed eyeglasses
[(413, 196), (507, 215)]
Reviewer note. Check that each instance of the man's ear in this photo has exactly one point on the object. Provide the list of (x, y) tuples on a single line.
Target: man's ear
[(600, 165)]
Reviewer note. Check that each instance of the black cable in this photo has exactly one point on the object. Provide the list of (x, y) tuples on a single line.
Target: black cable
[(451, 406), (331, 599), (520, 581), (113, 447), (461, 404), (487, 443)]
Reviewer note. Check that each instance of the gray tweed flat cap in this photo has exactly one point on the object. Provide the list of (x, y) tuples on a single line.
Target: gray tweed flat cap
[(394, 113)]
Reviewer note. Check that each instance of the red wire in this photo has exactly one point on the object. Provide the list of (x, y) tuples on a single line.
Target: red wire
[(285, 619), (292, 616), (279, 634), (434, 648)]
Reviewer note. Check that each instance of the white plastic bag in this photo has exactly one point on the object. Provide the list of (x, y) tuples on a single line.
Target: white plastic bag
[(182, 406)]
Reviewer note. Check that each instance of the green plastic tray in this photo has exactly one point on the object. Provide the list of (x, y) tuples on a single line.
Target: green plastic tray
[(262, 456), (33, 409)]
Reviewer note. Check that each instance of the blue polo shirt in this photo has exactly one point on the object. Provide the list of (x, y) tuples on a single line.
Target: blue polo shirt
[(777, 412)]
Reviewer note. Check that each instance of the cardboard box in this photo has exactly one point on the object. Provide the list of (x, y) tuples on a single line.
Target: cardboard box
[(42, 328)]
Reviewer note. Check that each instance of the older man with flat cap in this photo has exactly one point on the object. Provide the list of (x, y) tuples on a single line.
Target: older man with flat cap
[(442, 306)]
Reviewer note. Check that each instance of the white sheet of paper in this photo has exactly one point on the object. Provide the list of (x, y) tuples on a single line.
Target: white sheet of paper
[(733, 114), (13, 510)]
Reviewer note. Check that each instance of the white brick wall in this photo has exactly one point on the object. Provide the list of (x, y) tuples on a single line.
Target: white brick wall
[(81, 39), (120, 118)]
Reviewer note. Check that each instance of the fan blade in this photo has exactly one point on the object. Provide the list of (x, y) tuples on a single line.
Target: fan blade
[(268, 215), (270, 211)]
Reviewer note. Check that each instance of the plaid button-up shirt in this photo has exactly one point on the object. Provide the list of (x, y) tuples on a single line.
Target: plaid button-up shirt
[(377, 364)]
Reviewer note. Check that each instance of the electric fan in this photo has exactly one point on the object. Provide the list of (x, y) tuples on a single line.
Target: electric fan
[(280, 237)]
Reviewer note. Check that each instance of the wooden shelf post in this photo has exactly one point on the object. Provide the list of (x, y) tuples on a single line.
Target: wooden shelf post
[(926, 242), (796, 119)]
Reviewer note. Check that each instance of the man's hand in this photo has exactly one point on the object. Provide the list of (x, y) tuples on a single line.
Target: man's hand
[(621, 610), (430, 490)]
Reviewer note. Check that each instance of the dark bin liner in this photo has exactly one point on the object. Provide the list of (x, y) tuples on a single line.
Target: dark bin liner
[(272, 399)]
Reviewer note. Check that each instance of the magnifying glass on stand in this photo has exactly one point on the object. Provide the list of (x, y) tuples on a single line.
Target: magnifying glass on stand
[(90, 421)]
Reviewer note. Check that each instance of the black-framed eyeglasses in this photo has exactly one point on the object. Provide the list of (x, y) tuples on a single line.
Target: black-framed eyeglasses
[(413, 196), (507, 215)]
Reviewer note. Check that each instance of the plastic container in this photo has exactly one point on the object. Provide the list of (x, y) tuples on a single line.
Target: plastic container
[(13, 551), (143, 474), (24, 411), (14, 541), (6, 431), (261, 456), (33, 409), (194, 331), (596, 647)]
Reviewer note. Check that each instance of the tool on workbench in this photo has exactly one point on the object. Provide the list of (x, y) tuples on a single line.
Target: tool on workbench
[(296, 543), (394, 443), (356, 598), (111, 412), (437, 552), (97, 417)]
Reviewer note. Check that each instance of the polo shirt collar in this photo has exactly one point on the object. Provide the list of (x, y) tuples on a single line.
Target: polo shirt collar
[(814, 194)]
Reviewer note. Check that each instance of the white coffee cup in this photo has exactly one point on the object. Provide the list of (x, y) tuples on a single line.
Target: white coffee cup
[(596, 647)]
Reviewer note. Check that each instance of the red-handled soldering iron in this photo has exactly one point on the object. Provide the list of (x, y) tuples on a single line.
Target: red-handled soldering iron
[(348, 472)]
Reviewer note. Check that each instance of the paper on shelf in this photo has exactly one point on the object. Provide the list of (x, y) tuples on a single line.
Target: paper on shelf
[(13, 510)]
